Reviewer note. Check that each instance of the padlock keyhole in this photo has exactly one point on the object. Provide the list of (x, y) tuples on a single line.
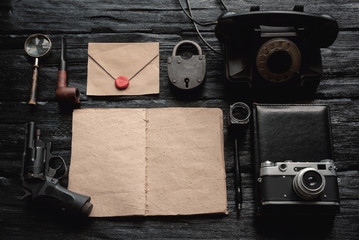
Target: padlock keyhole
[(186, 81)]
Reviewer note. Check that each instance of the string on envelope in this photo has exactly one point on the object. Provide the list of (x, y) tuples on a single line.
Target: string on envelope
[(122, 82)]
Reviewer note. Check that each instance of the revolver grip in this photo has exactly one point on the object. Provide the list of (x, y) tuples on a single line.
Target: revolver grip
[(72, 202)]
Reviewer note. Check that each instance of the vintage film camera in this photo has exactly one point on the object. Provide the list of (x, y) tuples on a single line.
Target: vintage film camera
[(275, 50), (301, 187)]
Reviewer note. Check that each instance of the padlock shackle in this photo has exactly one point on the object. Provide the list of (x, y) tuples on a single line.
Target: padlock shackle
[(199, 49)]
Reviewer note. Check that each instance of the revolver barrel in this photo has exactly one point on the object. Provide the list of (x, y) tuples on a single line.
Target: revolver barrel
[(34, 154)]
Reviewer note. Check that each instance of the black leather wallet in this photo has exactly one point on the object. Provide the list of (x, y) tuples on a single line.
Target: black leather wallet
[(294, 160), (292, 132)]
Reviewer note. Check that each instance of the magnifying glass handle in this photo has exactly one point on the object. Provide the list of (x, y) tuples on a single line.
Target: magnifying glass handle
[(35, 75)]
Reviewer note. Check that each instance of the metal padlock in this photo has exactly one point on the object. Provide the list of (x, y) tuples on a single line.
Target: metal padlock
[(186, 74)]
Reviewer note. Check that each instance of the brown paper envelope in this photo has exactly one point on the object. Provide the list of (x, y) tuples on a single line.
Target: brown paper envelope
[(139, 61)]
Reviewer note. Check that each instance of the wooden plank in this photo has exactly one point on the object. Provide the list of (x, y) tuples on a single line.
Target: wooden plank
[(142, 16)]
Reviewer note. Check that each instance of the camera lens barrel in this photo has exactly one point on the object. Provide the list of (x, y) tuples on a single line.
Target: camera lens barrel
[(309, 183)]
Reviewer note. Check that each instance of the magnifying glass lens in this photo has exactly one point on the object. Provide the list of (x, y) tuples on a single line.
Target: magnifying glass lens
[(38, 46)]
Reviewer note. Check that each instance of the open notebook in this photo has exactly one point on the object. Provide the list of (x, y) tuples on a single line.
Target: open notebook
[(159, 161)]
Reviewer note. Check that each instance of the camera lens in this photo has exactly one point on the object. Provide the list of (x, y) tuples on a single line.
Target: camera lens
[(309, 183), (312, 179), (279, 62)]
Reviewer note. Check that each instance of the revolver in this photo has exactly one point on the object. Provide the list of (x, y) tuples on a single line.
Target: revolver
[(39, 176)]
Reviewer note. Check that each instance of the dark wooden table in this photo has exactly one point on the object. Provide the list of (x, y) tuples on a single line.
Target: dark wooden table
[(82, 22)]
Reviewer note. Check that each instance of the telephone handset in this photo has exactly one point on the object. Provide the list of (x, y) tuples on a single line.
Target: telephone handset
[(275, 49)]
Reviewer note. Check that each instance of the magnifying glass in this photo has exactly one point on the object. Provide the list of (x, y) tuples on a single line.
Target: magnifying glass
[(37, 45)]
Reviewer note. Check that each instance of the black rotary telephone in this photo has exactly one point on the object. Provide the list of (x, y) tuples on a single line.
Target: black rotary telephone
[(276, 50)]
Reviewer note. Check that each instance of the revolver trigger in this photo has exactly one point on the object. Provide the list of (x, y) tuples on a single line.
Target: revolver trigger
[(51, 172), (27, 193)]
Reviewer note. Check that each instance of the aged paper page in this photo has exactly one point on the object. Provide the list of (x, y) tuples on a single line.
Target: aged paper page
[(108, 160), (185, 162)]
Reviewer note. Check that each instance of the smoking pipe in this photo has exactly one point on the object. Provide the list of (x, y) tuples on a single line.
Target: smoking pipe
[(67, 96)]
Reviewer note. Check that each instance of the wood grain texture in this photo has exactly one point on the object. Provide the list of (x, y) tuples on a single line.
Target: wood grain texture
[(82, 22)]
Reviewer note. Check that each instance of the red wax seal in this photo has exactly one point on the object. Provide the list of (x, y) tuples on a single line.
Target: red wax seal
[(122, 82)]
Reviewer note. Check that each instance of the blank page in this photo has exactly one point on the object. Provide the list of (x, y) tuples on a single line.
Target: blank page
[(108, 160), (185, 166)]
